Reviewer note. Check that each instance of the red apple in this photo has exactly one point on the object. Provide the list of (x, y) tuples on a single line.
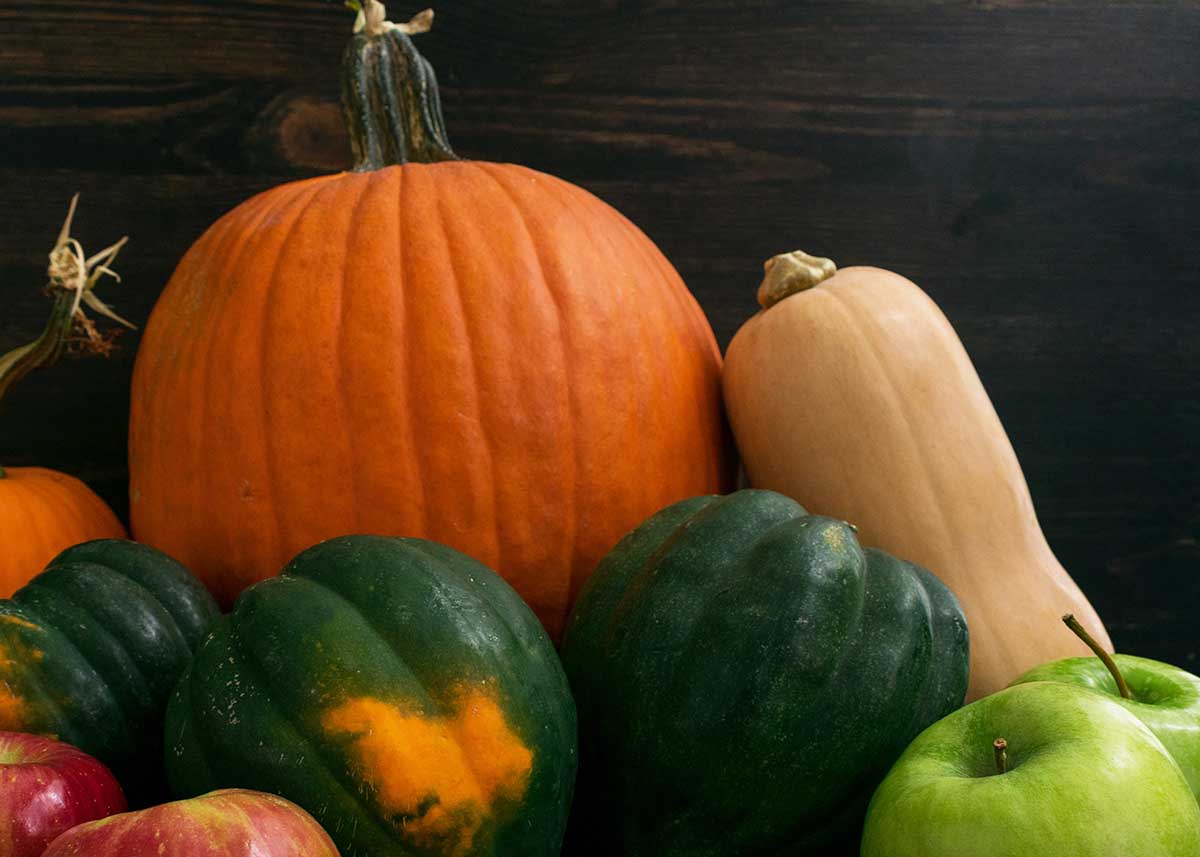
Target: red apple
[(47, 787), (226, 823)]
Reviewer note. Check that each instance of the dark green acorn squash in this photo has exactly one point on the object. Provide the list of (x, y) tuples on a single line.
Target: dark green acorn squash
[(399, 691), (91, 648), (745, 674)]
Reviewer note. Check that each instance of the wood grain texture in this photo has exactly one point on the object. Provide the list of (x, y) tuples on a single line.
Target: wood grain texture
[(1035, 166)]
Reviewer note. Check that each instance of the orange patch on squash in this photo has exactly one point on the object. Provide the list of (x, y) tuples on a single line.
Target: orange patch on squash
[(438, 776), (15, 654), (19, 622), (13, 710)]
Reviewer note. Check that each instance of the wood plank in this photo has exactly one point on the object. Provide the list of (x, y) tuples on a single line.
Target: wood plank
[(1003, 50), (1034, 165)]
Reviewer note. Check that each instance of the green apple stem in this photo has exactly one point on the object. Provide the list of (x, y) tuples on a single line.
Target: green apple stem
[(1000, 748), (1071, 622)]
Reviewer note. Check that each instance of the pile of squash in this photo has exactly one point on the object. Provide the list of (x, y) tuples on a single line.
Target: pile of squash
[(453, 400)]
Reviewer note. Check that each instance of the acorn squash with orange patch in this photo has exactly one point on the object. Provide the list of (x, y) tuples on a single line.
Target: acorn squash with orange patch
[(398, 690), (91, 648)]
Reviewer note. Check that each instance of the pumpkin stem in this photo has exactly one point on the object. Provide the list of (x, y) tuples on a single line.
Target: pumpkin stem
[(1000, 752), (1071, 622), (789, 273), (73, 276), (390, 93)]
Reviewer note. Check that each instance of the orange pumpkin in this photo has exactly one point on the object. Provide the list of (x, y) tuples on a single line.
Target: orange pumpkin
[(43, 512), (469, 352)]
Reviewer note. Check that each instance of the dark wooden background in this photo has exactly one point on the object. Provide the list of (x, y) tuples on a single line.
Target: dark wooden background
[(1034, 165)]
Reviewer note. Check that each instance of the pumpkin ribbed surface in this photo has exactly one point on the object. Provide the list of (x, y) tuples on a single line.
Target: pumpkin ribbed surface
[(42, 513), (473, 353)]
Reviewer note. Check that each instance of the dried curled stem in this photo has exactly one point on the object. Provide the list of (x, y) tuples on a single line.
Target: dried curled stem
[(73, 276), (72, 271), (372, 19)]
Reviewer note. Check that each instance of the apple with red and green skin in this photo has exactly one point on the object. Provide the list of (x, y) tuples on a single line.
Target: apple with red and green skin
[(1164, 697), (47, 787), (1079, 776), (225, 823)]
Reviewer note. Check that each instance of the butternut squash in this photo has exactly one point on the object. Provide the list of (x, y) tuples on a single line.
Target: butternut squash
[(850, 392)]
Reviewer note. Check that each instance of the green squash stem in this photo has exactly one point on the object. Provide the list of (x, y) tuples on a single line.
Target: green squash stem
[(1071, 622), (390, 93), (72, 278)]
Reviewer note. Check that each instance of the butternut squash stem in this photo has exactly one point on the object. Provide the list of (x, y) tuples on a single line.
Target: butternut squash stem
[(1000, 753), (790, 273), (1071, 622)]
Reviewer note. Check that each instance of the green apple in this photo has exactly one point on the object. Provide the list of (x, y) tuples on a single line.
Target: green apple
[(1164, 697), (1080, 776)]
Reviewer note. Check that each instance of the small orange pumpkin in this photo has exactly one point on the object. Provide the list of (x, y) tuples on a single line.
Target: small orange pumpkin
[(43, 512), (469, 352)]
